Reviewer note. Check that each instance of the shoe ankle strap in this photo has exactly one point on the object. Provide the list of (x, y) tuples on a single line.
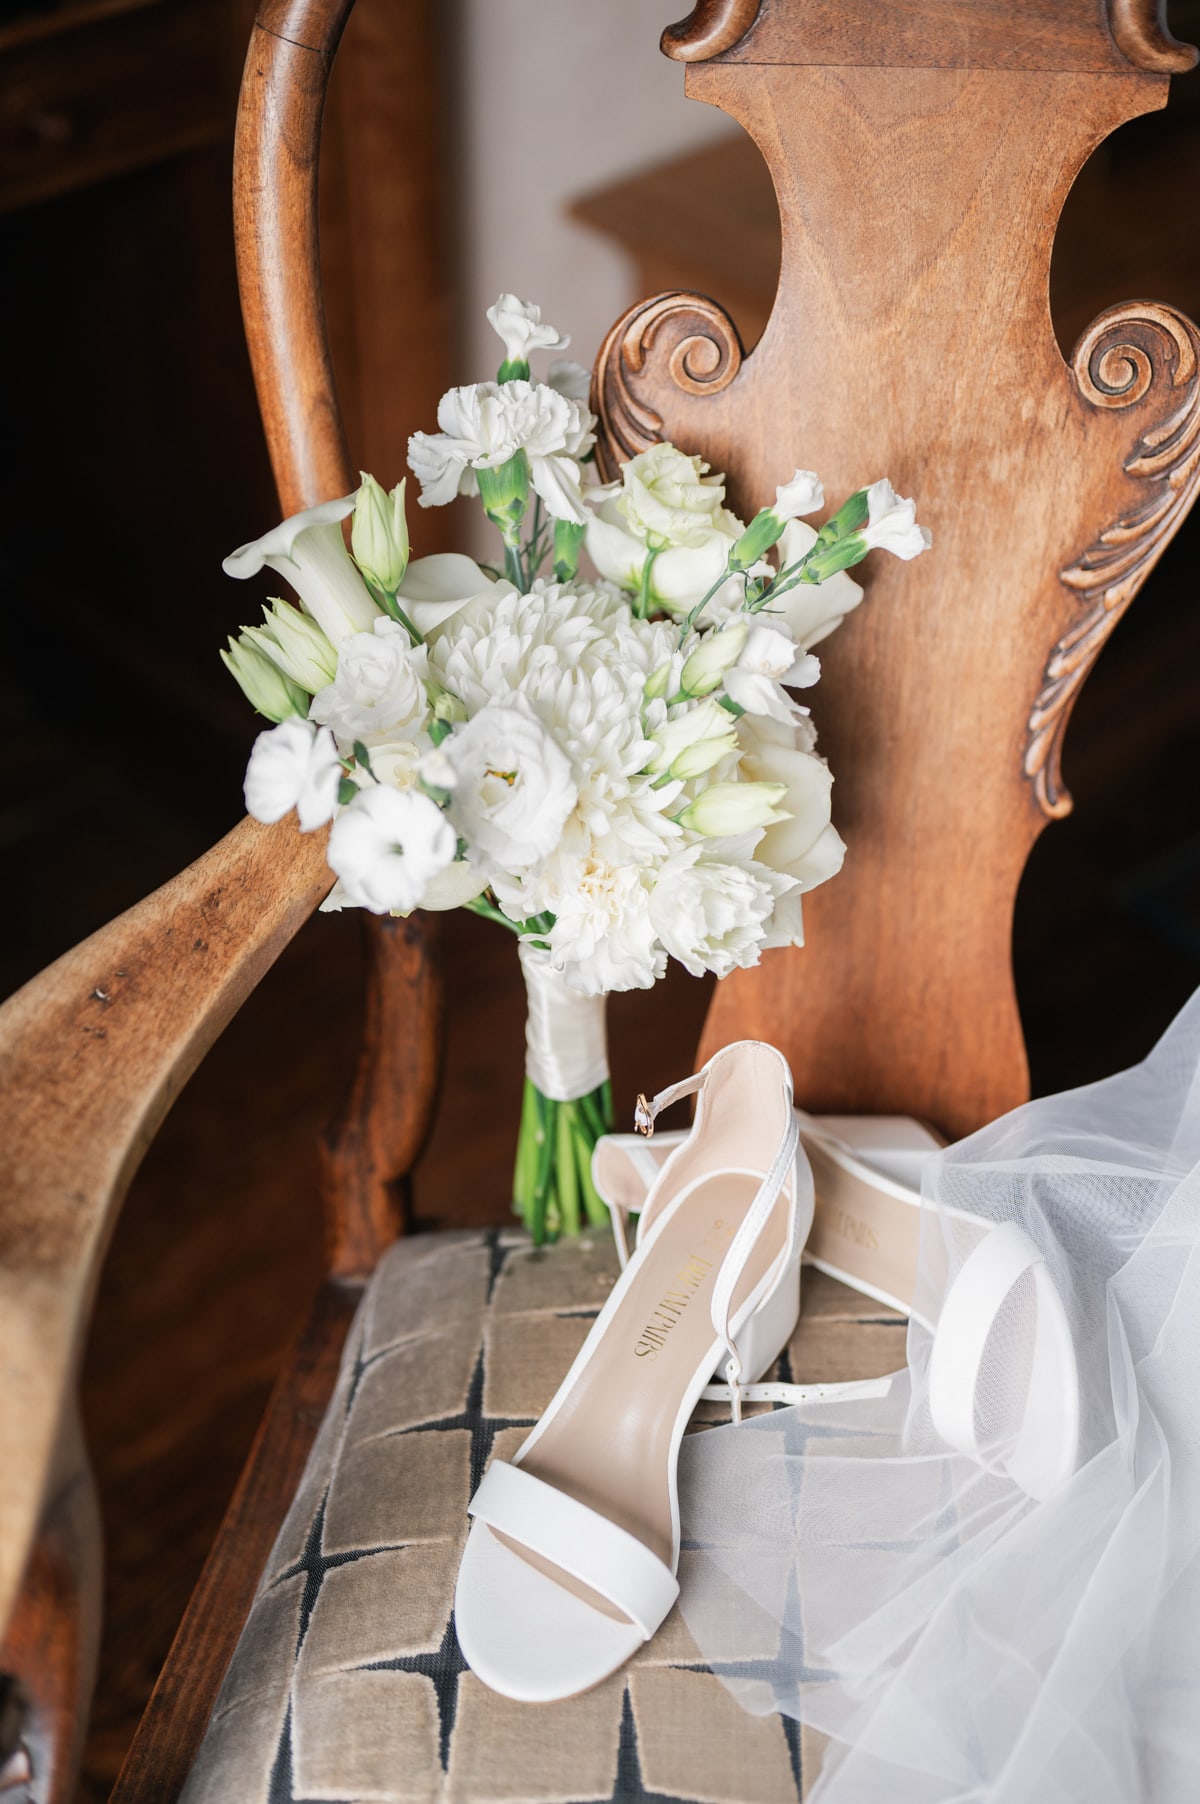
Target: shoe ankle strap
[(645, 1112)]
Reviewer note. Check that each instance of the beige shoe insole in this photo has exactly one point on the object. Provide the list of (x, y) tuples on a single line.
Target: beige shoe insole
[(608, 1445)]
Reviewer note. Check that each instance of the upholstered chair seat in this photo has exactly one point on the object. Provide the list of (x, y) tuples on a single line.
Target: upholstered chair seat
[(347, 1683)]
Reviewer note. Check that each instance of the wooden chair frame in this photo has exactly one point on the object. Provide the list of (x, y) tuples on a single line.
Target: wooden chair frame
[(93, 1052)]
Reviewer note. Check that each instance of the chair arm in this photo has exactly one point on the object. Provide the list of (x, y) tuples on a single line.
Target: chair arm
[(92, 1054)]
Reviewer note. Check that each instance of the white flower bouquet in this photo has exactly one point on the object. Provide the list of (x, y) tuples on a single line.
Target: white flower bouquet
[(614, 769)]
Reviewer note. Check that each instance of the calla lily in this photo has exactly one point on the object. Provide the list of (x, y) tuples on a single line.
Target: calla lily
[(435, 588), (804, 845), (308, 549)]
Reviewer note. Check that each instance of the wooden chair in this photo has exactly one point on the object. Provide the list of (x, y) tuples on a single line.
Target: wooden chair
[(921, 153)]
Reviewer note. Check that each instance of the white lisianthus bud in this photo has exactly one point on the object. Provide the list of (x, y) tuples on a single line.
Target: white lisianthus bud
[(725, 809), (514, 787), (308, 549), (387, 846), (715, 654), (655, 686), (297, 645), (296, 765), (892, 523), (519, 324), (700, 756), (268, 689), (707, 720), (379, 690), (379, 534)]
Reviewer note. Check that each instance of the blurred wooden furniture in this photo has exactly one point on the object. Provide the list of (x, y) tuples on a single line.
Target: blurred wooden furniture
[(945, 703)]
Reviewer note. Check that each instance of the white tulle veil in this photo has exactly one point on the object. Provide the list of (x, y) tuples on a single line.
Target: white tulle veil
[(954, 1637)]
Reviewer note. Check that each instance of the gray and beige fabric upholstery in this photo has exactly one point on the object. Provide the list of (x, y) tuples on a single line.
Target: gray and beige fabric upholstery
[(347, 1684)]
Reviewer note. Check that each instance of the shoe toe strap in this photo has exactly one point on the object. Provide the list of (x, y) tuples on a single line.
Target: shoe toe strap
[(583, 1543)]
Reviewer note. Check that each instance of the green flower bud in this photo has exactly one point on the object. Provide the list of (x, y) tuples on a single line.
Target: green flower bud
[(705, 721), (568, 539), (726, 809), (762, 532), (715, 654), (296, 643), (504, 493), (379, 534), (851, 515), (266, 688), (446, 706)]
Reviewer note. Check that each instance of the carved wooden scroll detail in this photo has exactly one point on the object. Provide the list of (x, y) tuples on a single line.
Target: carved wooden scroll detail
[(712, 26), (684, 340), (1139, 28), (1124, 355)]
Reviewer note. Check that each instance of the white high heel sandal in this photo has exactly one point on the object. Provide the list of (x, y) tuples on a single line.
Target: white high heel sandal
[(866, 1232), (571, 1559)]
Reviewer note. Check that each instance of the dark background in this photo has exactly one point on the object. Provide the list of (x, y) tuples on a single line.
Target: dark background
[(135, 463)]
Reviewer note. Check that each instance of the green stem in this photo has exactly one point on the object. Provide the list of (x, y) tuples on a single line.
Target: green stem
[(565, 1173), (691, 619), (512, 566), (480, 905), (641, 602), (594, 1208)]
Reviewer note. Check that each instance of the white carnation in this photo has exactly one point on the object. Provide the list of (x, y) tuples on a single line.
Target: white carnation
[(513, 789), (484, 424), (712, 904), (603, 937), (294, 765), (520, 325), (379, 690), (387, 847)]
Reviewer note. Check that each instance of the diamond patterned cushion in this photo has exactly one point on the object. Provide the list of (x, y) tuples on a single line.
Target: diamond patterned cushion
[(347, 1683)]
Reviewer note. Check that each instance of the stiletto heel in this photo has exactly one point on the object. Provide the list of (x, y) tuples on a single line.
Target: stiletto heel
[(570, 1563)]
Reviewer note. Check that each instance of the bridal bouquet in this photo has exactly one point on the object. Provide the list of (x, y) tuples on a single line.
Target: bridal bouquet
[(612, 767)]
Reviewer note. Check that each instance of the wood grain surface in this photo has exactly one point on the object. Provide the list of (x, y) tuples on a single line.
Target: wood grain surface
[(92, 1054), (912, 337), (176, 1716), (935, 34)]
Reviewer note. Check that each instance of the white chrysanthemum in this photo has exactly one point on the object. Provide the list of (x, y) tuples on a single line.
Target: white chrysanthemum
[(378, 692), (580, 662)]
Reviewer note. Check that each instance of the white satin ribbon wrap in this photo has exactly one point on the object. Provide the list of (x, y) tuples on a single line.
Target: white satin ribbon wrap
[(955, 1638), (566, 1047)]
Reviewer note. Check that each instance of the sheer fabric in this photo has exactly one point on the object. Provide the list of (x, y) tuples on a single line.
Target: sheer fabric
[(955, 1637)]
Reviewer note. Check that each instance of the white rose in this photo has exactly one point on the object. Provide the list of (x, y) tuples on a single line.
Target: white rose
[(308, 549), (811, 611), (379, 690), (668, 499), (679, 576), (603, 938), (519, 325), (712, 903), (295, 765), (806, 845), (387, 847), (514, 789)]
